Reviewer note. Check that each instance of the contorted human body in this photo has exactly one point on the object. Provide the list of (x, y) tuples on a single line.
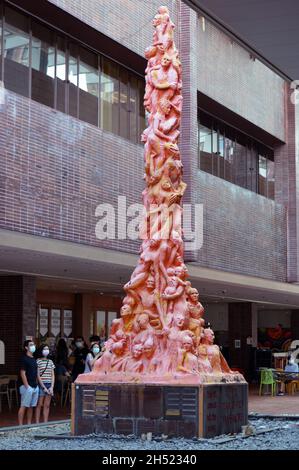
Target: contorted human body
[(160, 335)]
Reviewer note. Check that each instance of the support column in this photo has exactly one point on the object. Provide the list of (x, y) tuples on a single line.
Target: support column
[(240, 328), (295, 324), (17, 317), (83, 310)]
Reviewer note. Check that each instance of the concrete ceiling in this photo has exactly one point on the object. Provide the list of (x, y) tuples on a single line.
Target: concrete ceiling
[(74, 274), (270, 27)]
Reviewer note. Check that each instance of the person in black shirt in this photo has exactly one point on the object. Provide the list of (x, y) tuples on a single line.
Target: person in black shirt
[(29, 386), (80, 353)]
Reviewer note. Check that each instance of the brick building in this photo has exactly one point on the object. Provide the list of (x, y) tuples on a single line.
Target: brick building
[(71, 115)]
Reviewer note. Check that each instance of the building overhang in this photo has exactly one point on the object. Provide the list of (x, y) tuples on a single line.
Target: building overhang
[(81, 266)]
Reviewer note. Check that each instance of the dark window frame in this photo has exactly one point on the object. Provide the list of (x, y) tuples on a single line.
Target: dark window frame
[(253, 148), (68, 39)]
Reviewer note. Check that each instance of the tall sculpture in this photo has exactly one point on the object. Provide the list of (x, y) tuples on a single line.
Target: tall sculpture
[(160, 336)]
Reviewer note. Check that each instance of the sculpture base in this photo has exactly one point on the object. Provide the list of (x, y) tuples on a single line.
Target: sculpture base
[(202, 410)]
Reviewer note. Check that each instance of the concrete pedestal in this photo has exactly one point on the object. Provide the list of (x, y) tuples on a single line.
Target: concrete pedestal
[(183, 411)]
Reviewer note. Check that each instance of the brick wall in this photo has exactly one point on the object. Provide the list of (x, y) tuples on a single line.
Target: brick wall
[(228, 74), (129, 22), (243, 231), (17, 318), (55, 170)]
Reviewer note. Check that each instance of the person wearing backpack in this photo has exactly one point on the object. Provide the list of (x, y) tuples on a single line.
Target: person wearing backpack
[(46, 380)]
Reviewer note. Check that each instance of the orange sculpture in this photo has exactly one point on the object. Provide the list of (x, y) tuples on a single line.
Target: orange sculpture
[(160, 336)]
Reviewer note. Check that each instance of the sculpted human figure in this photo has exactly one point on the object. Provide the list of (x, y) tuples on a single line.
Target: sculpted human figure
[(164, 81), (175, 288), (150, 360), (213, 353), (160, 335), (187, 361), (195, 312), (133, 363), (143, 329), (113, 359), (164, 30)]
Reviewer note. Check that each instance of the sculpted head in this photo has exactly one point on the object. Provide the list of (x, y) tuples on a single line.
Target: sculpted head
[(170, 272), (149, 347), (193, 294), (126, 310), (143, 321), (187, 343), (179, 320), (150, 283), (164, 105), (118, 347), (166, 61), (137, 350), (208, 335)]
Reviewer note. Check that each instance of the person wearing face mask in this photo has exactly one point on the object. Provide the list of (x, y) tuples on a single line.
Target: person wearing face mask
[(29, 382), (46, 379), (79, 354), (93, 355)]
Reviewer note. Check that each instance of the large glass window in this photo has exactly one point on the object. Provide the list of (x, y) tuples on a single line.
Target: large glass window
[(59, 72), (231, 155), (16, 52), (43, 65), (89, 87), (110, 96), (205, 148)]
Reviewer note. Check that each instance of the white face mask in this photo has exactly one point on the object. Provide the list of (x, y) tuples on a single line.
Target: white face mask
[(32, 348), (96, 350), (45, 352)]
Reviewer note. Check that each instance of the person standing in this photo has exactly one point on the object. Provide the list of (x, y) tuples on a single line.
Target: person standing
[(79, 354), (29, 385), (46, 379)]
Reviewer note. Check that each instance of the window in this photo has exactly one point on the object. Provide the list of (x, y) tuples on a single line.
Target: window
[(60, 74), (88, 87), (231, 155), (16, 52), (110, 96), (73, 82), (43, 65), (48, 67)]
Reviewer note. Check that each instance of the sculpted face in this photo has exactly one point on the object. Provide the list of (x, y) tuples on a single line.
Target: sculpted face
[(125, 310), (165, 61), (179, 271), (187, 343), (150, 283), (148, 349), (194, 296), (165, 106), (157, 20), (179, 320), (209, 335), (143, 321), (170, 272), (160, 48), (137, 351)]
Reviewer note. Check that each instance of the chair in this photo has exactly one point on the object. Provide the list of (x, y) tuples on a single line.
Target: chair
[(65, 388), (13, 388), (292, 387), (4, 390), (267, 378)]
